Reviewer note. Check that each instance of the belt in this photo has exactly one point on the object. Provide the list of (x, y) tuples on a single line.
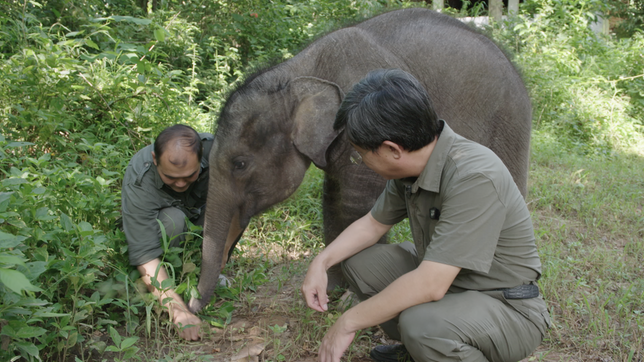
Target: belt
[(525, 291)]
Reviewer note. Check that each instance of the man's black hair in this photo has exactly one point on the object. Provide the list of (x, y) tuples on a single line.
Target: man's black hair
[(388, 105), (188, 137)]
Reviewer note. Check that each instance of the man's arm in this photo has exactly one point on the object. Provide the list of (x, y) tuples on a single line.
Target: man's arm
[(179, 313), (429, 282), (360, 235)]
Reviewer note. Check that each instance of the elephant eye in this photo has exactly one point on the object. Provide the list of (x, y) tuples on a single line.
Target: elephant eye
[(239, 165)]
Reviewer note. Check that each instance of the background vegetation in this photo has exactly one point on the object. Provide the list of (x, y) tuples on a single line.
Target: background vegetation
[(85, 83)]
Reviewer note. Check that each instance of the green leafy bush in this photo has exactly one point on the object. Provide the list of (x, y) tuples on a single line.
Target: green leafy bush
[(586, 89), (83, 85), (628, 15)]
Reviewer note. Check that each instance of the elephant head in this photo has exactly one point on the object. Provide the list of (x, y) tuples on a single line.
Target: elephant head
[(268, 133)]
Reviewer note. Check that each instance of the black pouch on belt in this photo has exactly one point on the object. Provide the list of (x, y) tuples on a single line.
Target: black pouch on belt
[(525, 291)]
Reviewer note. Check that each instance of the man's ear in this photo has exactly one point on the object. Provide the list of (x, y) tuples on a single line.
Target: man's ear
[(154, 158), (394, 148)]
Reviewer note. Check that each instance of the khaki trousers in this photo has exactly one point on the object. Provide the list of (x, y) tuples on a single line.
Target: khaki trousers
[(174, 223), (469, 326)]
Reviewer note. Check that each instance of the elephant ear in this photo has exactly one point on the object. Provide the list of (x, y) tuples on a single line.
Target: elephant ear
[(318, 101)]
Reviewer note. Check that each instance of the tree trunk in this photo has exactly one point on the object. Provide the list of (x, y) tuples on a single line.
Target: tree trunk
[(496, 10)]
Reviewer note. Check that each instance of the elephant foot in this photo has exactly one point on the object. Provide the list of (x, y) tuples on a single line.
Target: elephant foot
[(336, 282), (195, 305)]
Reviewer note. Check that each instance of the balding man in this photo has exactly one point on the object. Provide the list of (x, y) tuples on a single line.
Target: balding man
[(165, 181)]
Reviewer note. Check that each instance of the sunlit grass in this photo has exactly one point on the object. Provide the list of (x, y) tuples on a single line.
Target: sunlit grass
[(589, 223)]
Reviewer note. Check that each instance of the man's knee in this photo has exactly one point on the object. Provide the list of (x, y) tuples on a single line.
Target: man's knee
[(433, 337), (351, 271), (419, 322), (174, 223)]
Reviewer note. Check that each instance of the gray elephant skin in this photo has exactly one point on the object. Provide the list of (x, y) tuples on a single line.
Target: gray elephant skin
[(280, 120)]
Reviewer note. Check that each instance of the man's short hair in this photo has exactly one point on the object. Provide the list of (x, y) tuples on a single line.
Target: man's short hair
[(188, 137), (388, 105)]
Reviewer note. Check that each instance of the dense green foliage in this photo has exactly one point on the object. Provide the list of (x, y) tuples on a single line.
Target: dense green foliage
[(586, 89), (85, 83)]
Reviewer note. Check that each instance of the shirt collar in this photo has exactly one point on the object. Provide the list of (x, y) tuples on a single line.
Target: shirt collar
[(157, 179), (430, 178)]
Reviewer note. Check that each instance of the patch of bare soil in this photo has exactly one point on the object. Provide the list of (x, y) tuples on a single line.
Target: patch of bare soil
[(272, 324)]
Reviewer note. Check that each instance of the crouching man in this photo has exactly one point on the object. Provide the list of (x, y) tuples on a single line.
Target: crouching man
[(165, 181), (465, 289)]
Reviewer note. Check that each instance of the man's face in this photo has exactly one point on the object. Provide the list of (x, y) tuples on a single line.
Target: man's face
[(381, 162), (178, 167)]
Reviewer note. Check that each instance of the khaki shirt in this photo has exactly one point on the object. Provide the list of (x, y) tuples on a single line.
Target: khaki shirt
[(466, 211), (143, 195)]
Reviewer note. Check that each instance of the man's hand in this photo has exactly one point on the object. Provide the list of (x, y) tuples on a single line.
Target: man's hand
[(335, 342), (314, 287), (179, 313), (189, 325)]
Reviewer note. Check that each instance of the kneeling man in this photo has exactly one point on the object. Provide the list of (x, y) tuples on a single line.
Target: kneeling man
[(166, 181), (466, 288)]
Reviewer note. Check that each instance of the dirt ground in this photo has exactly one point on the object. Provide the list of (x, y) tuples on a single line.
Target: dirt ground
[(271, 327)]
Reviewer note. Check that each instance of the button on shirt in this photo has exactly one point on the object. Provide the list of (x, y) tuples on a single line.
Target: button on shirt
[(144, 194), (466, 211)]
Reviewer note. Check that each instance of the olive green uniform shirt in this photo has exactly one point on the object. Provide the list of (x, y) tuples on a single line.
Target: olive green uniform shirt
[(144, 195), (466, 211)]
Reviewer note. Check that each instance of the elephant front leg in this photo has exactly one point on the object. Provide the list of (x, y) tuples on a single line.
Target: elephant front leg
[(345, 200), (333, 226)]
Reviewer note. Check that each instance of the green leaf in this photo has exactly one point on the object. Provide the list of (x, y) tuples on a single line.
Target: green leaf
[(116, 337), (112, 349), (14, 181), (167, 283), (181, 288), (189, 267), (159, 34), (12, 260), (16, 281), (9, 240), (5, 197), (140, 67), (42, 214), (194, 293), (73, 338), (130, 352), (66, 222), (28, 348), (50, 315), (128, 342), (35, 269), (18, 144), (131, 19), (57, 103), (85, 228), (30, 332), (90, 43)]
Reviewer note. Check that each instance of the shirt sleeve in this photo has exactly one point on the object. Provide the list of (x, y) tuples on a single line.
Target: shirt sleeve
[(140, 212), (470, 224), (390, 208)]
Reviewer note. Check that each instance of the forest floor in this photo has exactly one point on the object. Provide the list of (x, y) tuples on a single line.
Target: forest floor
[(274, 326)]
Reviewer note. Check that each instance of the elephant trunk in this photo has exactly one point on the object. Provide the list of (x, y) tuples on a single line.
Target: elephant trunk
[(221, 233)]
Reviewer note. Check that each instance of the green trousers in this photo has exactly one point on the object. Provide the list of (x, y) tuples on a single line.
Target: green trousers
[(468, 326), (174, 223)]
